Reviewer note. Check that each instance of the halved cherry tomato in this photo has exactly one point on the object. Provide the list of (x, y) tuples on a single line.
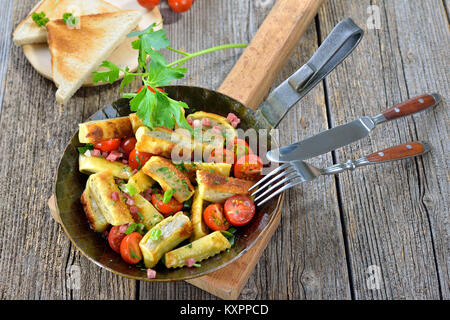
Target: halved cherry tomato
[(221, 156), (137, 159), (108, 145), (214, 218), (115, 237), (239, 210), (149, 4), (129, 248), (128, 144), (239, 147), (150, 88), (248, 167), (180, 5), (173, 206)]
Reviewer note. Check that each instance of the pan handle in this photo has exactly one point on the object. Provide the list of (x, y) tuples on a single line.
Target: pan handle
[(341, 41)]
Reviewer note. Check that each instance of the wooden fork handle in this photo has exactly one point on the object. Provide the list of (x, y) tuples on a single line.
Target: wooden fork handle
[(411, 106), (402, 151)]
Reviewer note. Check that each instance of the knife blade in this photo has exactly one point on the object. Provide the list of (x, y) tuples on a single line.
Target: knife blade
[(342, 135)]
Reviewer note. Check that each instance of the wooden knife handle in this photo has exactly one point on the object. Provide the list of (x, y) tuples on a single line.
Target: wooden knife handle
[(402, 151), (254, 73), (411, 106)]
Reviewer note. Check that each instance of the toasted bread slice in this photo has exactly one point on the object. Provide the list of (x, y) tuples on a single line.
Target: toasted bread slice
[(76, 53), (102, 186), (29, 32), (217, 188), (169, 177), (100, 130)]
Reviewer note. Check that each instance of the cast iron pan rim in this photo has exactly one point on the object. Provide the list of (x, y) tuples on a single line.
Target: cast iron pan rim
[(277, 207)]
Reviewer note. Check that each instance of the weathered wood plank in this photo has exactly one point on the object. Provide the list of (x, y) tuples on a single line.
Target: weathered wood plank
[(309, 233), (396, 214), (37, 260), (5, 40)]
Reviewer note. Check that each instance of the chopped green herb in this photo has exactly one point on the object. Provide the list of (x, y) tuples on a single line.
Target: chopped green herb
[(140, 215), (229, 235), (70, 19), (189, 246), (128, 189), (131, 228), (197, 265), (155, 234), (88, 146), (168, 195), (216, 182), (40, 19), (134, 255)]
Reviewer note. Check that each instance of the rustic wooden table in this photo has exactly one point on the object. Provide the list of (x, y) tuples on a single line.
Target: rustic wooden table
[(388, 222)]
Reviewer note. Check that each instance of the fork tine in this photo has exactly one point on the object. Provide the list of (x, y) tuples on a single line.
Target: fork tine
[(277, 177), (279, 183), (289, 185), (280, 168)]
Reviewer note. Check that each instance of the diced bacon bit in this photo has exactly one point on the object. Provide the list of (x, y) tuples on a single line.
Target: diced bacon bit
[(134, 209), (96, 153), (216, 129), (234, 120), (114, 155), (206, 122), (124, 161), (115, 196), (197, 123), (105, 154), (134, 172), (130, 201), (123, 228), (105, 233), (88, 153), (189, 120), (151, 274), (190, 262), (147, 194)]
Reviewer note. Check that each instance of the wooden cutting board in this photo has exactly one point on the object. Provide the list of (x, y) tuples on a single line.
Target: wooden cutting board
[(249, 82)]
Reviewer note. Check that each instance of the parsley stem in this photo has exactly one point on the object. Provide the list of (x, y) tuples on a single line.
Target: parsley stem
[(178, 51), (199, 53)]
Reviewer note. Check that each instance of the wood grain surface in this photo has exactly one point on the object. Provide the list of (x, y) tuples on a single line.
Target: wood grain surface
[(391, 218)]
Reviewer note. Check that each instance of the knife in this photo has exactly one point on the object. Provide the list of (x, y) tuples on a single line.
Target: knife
[(345, 134)]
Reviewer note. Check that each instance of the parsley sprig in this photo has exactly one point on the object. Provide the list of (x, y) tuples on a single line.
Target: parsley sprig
[(153, 107), (40, 19)]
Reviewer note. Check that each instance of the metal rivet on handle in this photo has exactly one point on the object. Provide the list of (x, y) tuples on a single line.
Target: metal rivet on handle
[(421, 100), (381, 154), (408, 146), (397, 110)]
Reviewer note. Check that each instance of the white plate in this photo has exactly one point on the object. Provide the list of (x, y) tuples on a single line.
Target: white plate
[(124, 56)]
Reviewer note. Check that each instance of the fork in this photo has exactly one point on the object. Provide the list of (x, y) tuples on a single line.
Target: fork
[(293, 173)]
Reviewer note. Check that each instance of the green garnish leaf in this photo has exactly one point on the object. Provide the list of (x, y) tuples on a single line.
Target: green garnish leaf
[(70, 19), (40, 19), (88, 146), (230, 236), (128, 189), (134, 254), (131, 228), (155, 234), (110, 75), (197, 265), (168, 195)]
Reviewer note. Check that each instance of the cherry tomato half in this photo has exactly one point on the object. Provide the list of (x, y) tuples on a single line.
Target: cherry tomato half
[(137, 159), (115, 237), (214, 218), (108, 145), (150, 88), (180, 5), (248, 167), (128, 144), (240, 148), (221, 156), (129, 248), (149, 4), (239, 210), (173, 206)]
